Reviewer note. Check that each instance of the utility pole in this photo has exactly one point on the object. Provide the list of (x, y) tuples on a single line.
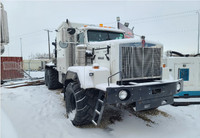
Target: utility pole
[(21, 47), (198, 14), (48, 41)]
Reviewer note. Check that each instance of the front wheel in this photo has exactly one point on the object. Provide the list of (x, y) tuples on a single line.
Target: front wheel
[(80, 104)]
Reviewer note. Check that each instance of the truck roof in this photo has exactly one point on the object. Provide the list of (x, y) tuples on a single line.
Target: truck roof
[(89, 27), (102, 29)]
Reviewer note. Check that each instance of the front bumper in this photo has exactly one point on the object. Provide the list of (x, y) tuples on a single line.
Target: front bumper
[(145, 96)]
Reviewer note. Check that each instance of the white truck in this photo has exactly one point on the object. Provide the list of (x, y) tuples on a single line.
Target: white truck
[(97, 66), (4, 36)]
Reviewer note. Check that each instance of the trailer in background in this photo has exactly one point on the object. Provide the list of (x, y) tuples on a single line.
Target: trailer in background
[(186, 68), (11, 68)]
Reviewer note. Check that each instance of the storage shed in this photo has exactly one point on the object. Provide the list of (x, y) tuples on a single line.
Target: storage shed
[(11, 68)]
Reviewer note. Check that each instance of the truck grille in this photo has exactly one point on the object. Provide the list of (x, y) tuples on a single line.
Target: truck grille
[(140, 63)]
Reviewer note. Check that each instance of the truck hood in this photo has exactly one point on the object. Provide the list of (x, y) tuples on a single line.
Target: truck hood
[(121, 41)]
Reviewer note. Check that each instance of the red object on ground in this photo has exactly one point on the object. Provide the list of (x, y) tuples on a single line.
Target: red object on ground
[(11, 68)]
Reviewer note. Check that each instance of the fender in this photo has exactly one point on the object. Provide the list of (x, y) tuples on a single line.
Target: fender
[(88, 76), (50, 65)]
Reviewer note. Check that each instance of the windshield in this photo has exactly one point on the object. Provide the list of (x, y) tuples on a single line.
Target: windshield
[(96, 36)]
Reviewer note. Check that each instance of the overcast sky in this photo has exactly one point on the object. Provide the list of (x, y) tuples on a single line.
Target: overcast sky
[(172, 23)]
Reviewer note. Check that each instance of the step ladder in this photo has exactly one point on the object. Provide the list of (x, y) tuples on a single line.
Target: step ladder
[(99, 108)]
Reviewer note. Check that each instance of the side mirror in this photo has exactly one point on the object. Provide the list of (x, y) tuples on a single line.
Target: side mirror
[(71, 31), (4, 36), (63, 44)]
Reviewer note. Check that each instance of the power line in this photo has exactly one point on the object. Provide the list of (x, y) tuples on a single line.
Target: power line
[(165, 15), (26, 34), (31, 33), (156, 20), (158, 17), (172, 32)]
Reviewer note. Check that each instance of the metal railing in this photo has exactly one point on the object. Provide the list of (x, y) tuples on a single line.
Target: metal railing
[(121, 75)]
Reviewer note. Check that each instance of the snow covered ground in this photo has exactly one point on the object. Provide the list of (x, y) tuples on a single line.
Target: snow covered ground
[(36, 112), (36, 74)]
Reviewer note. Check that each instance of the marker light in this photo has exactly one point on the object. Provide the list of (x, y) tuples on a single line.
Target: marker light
[(100, 25), (164, 65), (95, 66)]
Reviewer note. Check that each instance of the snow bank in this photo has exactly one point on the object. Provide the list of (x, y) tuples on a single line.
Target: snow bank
[(7, 129)]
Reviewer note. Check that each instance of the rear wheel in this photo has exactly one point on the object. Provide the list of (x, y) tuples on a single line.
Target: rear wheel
[(80, 104), (52, 79)]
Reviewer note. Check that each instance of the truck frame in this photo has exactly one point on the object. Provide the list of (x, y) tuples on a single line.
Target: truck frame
[(97, 66)]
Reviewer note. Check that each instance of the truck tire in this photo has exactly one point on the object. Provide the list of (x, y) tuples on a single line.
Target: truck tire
[(46, 77), (52, 79), (80, 104)]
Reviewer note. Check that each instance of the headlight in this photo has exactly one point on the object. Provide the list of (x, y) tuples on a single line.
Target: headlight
[(178, 87), (123, 95)]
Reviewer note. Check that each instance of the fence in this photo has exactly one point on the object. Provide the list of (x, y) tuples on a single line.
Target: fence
[(34, 65)]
